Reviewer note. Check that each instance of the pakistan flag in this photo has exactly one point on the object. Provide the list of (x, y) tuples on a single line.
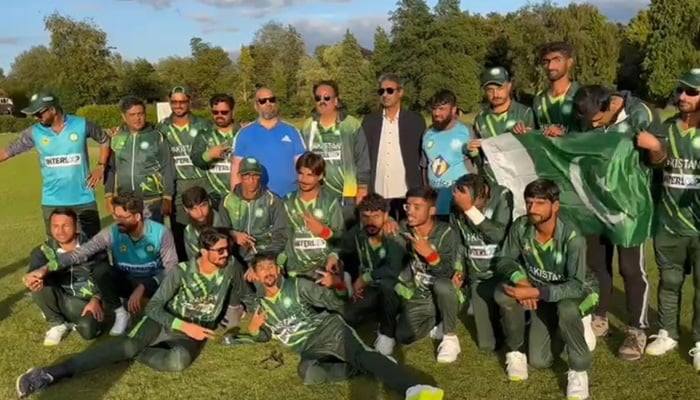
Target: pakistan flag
[(604, 187)]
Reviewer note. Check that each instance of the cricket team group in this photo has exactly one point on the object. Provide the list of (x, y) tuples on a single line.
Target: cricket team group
[(308, 233)]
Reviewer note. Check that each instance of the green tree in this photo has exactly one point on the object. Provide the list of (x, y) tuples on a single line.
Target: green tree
[(139, 78), (84, 73), (174, 71), (245, 89), (354, 75), (634, 37), (671, 47), (381, 54)]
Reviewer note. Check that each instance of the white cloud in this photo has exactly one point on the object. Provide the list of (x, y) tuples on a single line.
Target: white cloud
[(157, 4), (209, 23), (319, 31), (10, 40), (247, 8)]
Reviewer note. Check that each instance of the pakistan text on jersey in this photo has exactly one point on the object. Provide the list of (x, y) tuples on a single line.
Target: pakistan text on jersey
[(147, 268), (483, 252), (68, 160), (680, 181), (683, 164), (180, 151), (543, 275)]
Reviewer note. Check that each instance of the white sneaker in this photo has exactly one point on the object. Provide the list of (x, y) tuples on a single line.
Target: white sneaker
[(516, 366), (588, 333), (437, 333), (55, 335), (424, 392), (577, 388), (662, 344), (695, 353), (121, 321), (449, 349), (384, 344)]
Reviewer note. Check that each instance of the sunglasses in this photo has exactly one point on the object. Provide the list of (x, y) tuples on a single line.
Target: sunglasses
[(692, 92), (179, 102), (220, 251), (324, 98), (218, 112), (39, 113), (389, 90), (271, 100)]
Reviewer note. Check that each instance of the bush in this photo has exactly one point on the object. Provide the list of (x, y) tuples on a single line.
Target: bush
[(11, 124)]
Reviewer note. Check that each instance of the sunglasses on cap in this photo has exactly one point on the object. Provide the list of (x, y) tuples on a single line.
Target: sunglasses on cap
[(389, 90), (324, 98), (271, 100), (689, 91)]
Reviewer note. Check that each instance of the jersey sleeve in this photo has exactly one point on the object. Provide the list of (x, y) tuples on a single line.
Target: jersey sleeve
[(319, 296), (168, 168), (100, 242), (361, 153), (529, 118), (198, 153), (393, 262), (508, 265), (95, 132), (240, 143), (37, 259), (495, 228), (280, 222), (155, 309), (298, 143), (448, 255), (24, 143)]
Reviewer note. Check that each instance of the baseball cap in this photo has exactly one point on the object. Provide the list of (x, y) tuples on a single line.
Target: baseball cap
[(40, 101), (250, 166), (179, 89), (691, 78), (496, 75)]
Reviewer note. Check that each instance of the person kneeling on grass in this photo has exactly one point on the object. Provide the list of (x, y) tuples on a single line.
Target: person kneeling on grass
[(554, 282), (330, 349), (179, 319), (69, 298)]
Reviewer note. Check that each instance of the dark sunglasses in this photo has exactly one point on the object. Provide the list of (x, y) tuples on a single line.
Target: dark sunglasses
[(217, 112), (389, 90), (220, 251), (324, 98), (271, 100), (39, 113), (692, 92), (180, 102)]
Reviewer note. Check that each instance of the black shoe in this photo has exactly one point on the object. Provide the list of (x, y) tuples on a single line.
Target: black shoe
[(34, 380)]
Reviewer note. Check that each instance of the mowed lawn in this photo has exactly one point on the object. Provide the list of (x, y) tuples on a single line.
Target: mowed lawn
[(235, 373)]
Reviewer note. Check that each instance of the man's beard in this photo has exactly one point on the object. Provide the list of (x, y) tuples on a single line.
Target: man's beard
[(538, 219), (372, 230), (126, 228), (441, 125), (208, 221)]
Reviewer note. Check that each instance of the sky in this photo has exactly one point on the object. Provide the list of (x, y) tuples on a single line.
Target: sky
[(154, 29)]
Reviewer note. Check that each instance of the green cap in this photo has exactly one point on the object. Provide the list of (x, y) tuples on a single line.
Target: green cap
[(691, 78), (250, 166), (40, 101), (179, 89), (496, 75)]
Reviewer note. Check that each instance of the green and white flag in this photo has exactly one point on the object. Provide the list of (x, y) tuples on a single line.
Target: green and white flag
[(604, 187)]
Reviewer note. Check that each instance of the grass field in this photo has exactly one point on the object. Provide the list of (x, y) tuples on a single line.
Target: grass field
[(234, 373)]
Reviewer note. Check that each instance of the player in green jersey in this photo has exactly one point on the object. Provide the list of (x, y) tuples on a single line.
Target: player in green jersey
[(211, 149), (482, 217), (179, 319), (501, 115), (381, 257), (544, 260), (340, 139), (180, 129), (601, 110), (554, 109), (330, 349), (677, 241), (315, 221), (430, 285), (68, 299)]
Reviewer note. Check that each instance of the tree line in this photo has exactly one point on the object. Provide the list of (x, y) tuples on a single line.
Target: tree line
[(442, 47)]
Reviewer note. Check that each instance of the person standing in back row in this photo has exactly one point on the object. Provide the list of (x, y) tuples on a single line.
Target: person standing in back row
[(340, 140), (180, 130), (61, 141), (394, 144), (211, 150), (274, 143)]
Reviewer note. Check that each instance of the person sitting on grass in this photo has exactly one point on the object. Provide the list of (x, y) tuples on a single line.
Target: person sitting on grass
[(330, 349), (69, 298), (179, 319)]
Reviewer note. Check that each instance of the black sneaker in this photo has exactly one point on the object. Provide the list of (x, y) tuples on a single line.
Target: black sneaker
[(34, 380)]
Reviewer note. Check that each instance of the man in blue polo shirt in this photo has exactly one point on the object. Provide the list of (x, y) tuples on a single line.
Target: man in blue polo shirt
[(61, 141), (273, 142)]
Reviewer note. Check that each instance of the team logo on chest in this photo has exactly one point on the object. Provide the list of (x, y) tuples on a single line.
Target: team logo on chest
[(122, 248), (318, 213), (259, 212), (439, 166), (144, 145), (45, 141), (73, 137), (150, 248)]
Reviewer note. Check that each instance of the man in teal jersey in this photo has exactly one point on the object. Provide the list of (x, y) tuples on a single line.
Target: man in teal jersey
[(315, 222), (443, 149), (381, 258), (340, 139), (501, 115), (179, 319), (211, 150), (554, 107), (61, 141), (68, 299), (142, 251), (330, 349), (677, 240), (544, 260), (601, 110), (141, 162), (180, 129), (482, 215)]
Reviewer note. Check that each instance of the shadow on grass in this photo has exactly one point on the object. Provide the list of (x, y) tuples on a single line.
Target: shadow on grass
[(8, 303)]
